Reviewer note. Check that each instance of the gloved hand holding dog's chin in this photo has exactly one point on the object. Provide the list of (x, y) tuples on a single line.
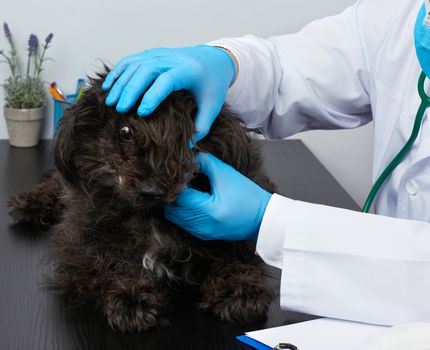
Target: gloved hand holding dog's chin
[(205, 71), (232, 211)]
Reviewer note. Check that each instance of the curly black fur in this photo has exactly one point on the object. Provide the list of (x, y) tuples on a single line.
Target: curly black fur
[(111, 245)]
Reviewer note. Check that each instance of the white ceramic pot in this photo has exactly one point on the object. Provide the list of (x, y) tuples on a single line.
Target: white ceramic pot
[(24, 126)]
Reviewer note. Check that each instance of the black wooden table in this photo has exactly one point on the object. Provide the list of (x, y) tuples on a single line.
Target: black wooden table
[(31, 317)]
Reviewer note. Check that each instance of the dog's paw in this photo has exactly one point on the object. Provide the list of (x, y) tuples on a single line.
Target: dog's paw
[(22, 210), (237, 298), (42, 205), (131, 310), (239, 306), (29, 208)]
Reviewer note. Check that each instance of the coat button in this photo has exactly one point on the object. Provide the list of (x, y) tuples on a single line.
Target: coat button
[(411, 187)]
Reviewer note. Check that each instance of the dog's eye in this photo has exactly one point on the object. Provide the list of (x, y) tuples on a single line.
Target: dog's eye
[(125, 134)]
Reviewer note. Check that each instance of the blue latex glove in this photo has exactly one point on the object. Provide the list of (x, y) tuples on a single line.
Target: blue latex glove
[(205, 71), (422, 40), (233, 211)]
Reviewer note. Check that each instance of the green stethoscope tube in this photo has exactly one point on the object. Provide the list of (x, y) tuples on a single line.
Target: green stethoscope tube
[(425, 103)]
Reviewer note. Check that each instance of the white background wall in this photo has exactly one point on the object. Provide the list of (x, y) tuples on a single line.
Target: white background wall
[(93, 30)]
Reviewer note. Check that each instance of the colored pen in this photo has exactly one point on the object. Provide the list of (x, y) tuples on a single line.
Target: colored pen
[(80, 93), (56, 92), (79, 85)]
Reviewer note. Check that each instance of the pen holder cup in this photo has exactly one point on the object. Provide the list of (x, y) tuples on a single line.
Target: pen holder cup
[(60, 106)]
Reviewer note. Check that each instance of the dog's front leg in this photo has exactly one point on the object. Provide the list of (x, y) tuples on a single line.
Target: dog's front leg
[(134, 304), (86, 272), (236, 292)]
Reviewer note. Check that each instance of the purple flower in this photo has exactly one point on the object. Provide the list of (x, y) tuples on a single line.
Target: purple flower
[(6, 30), (48, 39), (33, 44)]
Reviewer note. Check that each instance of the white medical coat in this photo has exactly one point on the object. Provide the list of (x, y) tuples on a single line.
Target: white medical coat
[(342, 72)]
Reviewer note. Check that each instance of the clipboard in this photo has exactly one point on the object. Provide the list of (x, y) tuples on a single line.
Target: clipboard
[(325, 333)]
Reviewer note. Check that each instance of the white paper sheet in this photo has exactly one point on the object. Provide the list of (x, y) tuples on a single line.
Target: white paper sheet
[(321, 334)]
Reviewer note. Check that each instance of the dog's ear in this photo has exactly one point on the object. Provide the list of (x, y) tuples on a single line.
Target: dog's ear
[(64, 145), (77, 126), (228, 140)]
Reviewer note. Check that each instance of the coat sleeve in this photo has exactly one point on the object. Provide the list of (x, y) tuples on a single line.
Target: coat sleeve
[(315, 79), (345, 264)]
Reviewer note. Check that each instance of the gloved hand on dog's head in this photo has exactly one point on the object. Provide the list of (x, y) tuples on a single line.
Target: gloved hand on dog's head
[(232, 211), (205, 71)]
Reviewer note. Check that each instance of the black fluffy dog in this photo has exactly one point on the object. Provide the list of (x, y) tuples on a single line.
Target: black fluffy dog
[(110, 243)]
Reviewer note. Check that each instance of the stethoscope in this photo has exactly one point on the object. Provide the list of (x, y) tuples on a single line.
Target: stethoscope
[(422, 46)]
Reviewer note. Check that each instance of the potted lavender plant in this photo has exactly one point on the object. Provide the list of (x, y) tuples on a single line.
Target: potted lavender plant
[(25, 94)]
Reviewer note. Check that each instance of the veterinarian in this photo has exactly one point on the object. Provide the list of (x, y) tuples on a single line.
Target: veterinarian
[(338, 72)]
